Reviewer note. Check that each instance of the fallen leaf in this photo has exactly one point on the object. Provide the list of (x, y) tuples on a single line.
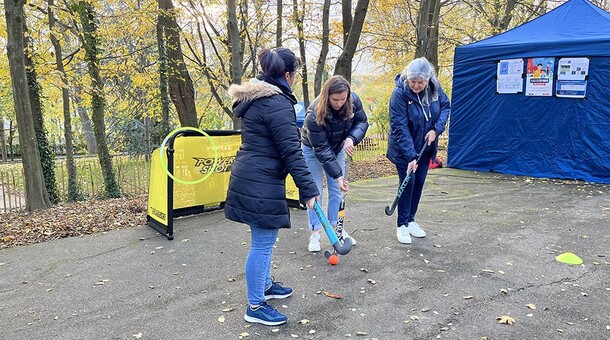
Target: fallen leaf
[(226, 310), (531, 306), (504, 291), (488, 271), (506, 319), (303, 322), (468, 297), (221, 319), (501, 272), (414, 317), (364, 270), (231, 279), (371, 281), (584, 294), (312, 331), (244, 335), (425, 309), (361, 333), (137, 336), (294, 335), (331, 295)]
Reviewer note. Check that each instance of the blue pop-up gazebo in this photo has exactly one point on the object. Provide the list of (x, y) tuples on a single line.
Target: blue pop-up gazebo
[(539, 136)]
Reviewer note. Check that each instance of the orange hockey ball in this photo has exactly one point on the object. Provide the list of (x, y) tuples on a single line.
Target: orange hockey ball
[(333, 259)]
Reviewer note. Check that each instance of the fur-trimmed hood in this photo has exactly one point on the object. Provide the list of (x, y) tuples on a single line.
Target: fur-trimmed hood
[(244, 94)]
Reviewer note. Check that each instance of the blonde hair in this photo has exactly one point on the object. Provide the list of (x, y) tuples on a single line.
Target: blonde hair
[(334, 84)]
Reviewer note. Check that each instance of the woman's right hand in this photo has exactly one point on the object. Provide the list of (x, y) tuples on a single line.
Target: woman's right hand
[(310, 202), (412, 166)]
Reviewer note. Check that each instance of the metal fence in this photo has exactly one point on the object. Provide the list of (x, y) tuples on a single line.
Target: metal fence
[(131, 173)]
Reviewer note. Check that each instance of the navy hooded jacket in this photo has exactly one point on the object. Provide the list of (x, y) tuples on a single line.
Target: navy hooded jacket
[(270, 150), (408, 126), (327, 140)]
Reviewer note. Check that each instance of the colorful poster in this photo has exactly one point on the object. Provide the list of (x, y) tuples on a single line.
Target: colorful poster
[(509, 76), (539, 81), (572, 77)]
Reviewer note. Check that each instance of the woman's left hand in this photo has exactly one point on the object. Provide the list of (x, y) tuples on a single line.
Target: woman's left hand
[(430, 136), (343, 184), (348, 146)]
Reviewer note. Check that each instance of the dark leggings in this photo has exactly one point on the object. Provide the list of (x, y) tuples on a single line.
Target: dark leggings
[(409, 200)]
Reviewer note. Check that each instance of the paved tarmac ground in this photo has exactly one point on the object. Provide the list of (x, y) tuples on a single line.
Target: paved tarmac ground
[(490, 252)]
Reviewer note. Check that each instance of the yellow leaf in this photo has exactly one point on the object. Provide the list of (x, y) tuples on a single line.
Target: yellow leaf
[(506, 319), (221, 319), (531, 306)]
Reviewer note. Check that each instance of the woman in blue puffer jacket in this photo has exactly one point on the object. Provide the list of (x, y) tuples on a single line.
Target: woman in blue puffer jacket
[(270, 150), (419, 110), (334, 124)]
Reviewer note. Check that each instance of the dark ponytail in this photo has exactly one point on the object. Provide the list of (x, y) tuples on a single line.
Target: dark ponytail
[(276, 62)]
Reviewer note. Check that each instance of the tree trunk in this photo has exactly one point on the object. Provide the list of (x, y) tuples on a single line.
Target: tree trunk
[(35, 191), (11, 136), (163, 76), (235, 51), (3, 152), (73, 191), (181, 88), (47, 160), (299, 17), (85, 120), (278, 26), (344, 63), (427, 31), (321, 64), (90, 43)]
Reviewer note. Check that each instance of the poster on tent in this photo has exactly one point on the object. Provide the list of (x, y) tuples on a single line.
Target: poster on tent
[(509, 77), (572, 75), (539, 80)]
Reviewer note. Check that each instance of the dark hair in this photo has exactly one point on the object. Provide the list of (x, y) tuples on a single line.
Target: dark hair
[(276, 62), (334, 84)]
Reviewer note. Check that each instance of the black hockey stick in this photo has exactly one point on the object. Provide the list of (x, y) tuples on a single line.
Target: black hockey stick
[(390, 210)]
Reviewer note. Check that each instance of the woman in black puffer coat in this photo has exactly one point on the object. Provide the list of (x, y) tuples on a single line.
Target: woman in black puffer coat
[(270, 150), (334, 124)]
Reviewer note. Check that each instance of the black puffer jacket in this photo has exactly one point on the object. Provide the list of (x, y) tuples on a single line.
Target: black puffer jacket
[(270, 150), (327, 140)]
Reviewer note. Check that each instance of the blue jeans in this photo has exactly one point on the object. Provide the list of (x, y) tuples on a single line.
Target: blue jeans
[(409, 200), (258, 263), (334, 193)]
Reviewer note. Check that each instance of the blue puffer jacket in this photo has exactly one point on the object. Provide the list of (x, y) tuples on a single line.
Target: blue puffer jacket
[(408, 126), (270, 150), (327, 140)]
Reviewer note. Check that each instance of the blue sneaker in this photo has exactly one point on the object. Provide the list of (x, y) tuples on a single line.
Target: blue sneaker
[(265, 314), (276, 291)]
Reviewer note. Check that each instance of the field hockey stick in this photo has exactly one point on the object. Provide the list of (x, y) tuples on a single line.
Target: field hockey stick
[(341, 249), (341, 217), (390, 210)]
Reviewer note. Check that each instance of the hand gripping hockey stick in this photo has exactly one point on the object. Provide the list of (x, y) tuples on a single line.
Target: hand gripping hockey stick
[(390, 210), (340, 248)]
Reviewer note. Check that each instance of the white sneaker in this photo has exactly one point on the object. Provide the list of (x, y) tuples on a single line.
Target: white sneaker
[(416, 230), (345, 235), (314, 242), (402, 233)]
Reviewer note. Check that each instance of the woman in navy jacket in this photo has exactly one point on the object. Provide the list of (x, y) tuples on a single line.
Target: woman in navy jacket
[(334, 124), (419, 110), (270, 150)]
